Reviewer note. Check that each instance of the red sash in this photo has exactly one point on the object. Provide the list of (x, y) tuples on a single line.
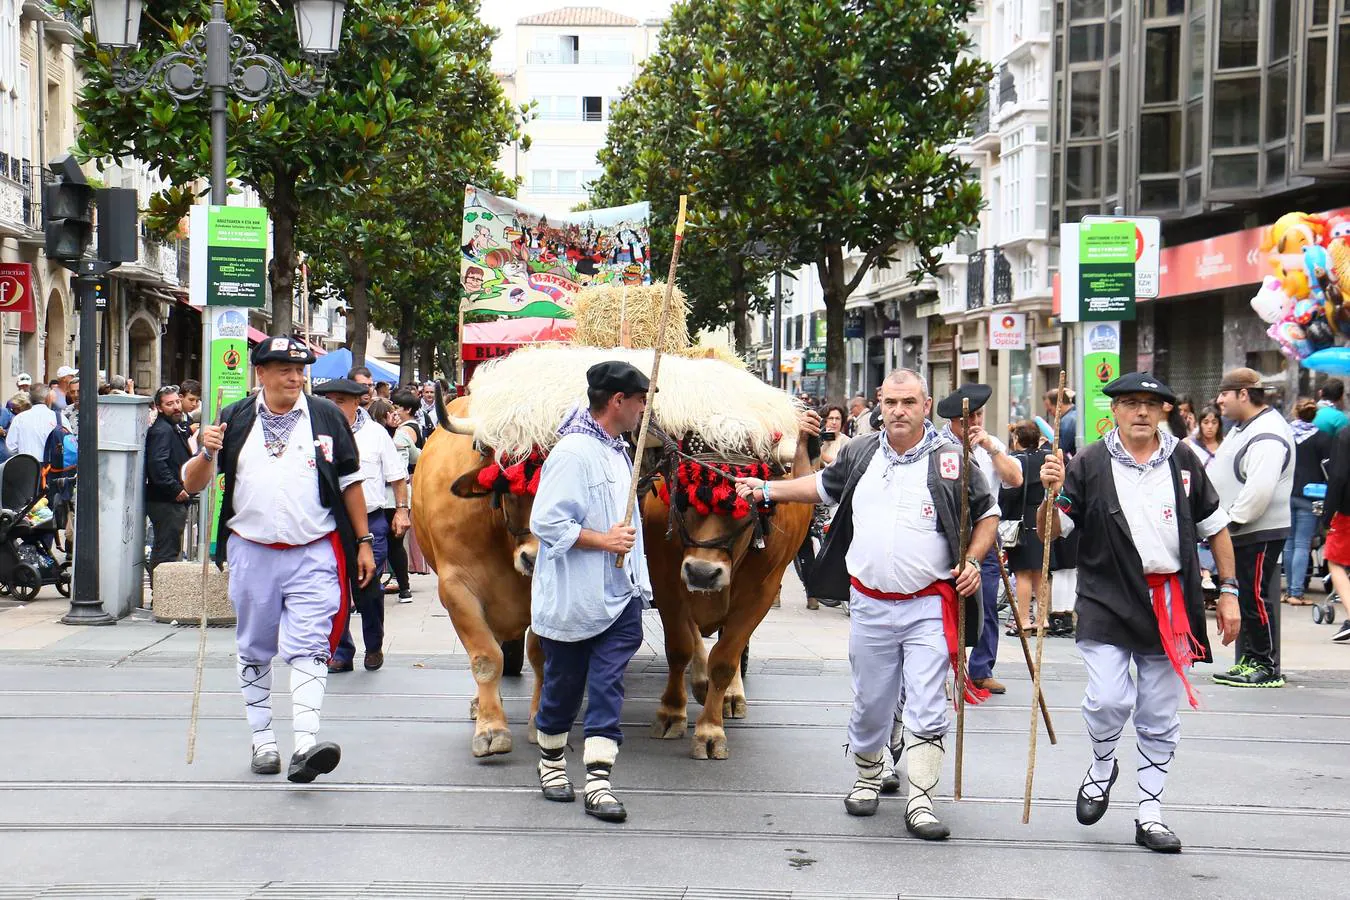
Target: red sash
[(344, 608), (947, 591), (1174, 629)]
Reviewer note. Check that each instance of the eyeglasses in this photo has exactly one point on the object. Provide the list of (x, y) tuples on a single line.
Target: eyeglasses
[(1133, 403)]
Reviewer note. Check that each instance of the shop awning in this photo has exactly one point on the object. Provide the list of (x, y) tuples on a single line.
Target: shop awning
[(488, 340), (255, 336)]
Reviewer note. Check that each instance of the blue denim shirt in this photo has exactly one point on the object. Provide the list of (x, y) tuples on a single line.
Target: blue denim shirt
[(576, 594)]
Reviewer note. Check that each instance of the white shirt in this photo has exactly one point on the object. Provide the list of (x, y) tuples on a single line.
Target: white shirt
[(381, 463), (29, 430), (984, 461), (276, 498), (897, 547), (1148, 501)]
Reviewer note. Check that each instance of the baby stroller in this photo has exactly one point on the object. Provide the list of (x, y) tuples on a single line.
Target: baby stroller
[(26, 561)]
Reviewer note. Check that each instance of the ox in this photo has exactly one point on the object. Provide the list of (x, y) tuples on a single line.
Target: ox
[(476, 537), (711, 578)]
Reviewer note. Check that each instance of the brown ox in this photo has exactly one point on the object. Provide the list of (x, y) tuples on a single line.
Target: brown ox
[(716, 582), (483, 554)]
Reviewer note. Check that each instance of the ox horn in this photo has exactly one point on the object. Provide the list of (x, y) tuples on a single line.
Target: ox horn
[(787, 450), (457, 425)]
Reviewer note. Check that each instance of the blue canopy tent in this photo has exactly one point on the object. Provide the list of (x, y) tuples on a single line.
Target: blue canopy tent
[(337, 363)]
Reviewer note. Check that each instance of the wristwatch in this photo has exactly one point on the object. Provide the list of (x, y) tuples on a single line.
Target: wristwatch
[(366, 539), (404, 506), (210, 457)]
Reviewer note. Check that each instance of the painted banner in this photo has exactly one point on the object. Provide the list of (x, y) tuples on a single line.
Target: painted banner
[(228, 256), (516, 261), (228, 364), (1101, 366)]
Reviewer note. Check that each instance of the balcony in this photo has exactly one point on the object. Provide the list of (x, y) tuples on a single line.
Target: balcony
[(579, 58), (975, 280), (587, 116), (63, 25), (983, 138)]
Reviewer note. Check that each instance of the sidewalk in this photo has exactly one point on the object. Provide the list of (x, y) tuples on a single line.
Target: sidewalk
[(422, 629)]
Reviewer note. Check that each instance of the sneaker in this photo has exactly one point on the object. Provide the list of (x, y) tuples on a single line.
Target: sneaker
[(1235, 670), (1342, 636), (405, 596), (1256, 676)]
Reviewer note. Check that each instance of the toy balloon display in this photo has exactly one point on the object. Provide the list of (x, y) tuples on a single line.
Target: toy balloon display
[(1291, 339), (1319, 333), (1332, 361)]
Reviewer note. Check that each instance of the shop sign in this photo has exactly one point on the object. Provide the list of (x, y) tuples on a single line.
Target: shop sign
[(1008, 331), (1101, 366), (819, 336), (1147, 251), (970, 361), (1049, 355), (815, 358), (1106, 255), (16, 287), (891, 329), (854, 327), (229, 256)]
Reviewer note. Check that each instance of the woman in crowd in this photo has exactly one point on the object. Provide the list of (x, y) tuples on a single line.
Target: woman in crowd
[(1021, 503), (1336, 516), (1208, 435), (1312, 453), (832, 440), (408, 440)]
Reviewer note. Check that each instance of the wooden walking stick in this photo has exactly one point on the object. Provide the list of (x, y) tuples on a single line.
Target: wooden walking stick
[(1026, 649), (656, 368), (961, 601), (1042, 607), (208, 498)]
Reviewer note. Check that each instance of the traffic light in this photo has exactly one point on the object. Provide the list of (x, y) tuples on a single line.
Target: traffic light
[(67, 219)]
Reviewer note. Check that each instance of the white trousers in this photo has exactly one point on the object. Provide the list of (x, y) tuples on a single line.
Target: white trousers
[(1154, 697), (1063, 590), (897, 651)]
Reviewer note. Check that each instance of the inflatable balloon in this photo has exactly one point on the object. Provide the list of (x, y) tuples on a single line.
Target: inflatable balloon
[(1337, 227), (1271, 303), (1304, 310), (1319, 333), (1332, 361), (1291, 338), (1292, 232), (1338, 252)]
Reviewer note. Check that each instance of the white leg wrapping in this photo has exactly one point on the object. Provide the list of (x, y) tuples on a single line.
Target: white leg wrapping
[(552, 761), (922, 768), (1153, 769), (309, 678), (868, 785), (897, 742), (255, 683), (599, 755)]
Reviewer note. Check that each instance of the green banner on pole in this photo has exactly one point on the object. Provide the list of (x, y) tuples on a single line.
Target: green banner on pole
[(1101, 366), (1106, 271), (236, 256), (228, 367)]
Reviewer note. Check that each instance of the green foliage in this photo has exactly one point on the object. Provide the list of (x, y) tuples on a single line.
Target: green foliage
[(822, 125)]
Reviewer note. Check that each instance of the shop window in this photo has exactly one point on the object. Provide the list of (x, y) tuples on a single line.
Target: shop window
[(1114, 37), (1235, 171), (1281, 23), (1195, 133), (1162, 64), (1157, 9), (1085, 43), (1159, 142), (1239, 33), (1112, 99), (1315, 85), (1162, 194), (1277, 103), (1321, 12), (1313, 136), (1112, 161), (1276, 162), (1236, 120), (1343, 65), (1085, 104), (1197, 80), (1074, 212), (1082, 173)]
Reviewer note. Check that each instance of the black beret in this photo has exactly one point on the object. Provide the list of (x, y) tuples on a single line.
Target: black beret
[(282, 349), (616, 376), (978, 394), (1140, 383), (342, 386)]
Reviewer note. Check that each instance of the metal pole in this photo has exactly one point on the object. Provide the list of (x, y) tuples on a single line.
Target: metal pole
[(778, 328), (85, 606)]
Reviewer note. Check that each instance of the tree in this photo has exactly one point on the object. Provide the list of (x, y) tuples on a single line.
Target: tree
[(289, 144), (829, 125)]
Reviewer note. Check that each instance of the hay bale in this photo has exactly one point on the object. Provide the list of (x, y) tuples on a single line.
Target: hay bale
[(178, 594), (600, 308), (721, 354)]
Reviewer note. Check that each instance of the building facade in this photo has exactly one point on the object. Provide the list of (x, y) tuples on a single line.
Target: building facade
[(1217, 116)]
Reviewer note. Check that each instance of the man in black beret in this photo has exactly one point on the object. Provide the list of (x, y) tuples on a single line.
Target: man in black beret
[(586, 610), (1142, 501), (293, 527)]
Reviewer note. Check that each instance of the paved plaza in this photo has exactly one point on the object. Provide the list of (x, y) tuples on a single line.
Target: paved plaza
[(96, 799)]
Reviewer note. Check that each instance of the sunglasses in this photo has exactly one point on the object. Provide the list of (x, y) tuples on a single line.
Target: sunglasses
[(165, 391)]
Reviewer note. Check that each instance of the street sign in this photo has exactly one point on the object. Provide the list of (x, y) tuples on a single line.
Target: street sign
[(815, 358), (1101, 366), (1147, 251), (1106, 255), (229, 256)]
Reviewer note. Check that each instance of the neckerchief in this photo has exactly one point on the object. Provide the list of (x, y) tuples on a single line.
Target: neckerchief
[(931, 440), (580, 421), (1302, 430), (1166, 444), (362, 417), (277, 427)]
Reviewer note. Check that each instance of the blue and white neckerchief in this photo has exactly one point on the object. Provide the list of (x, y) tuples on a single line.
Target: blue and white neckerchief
[(1166, 444), (277, 427), (931, 440), (580, 421), (362, 417)]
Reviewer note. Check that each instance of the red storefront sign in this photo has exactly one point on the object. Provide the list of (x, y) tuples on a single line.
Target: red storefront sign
[(16, 288), (1215, 264)]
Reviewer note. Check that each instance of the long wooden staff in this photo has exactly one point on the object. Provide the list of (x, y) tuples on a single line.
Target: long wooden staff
[(1026, 648), (208, 498), (964, 530), (1042, 607), (656, 368)]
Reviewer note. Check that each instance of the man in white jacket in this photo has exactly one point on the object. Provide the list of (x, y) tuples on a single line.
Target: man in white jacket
[(1254, 475)]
